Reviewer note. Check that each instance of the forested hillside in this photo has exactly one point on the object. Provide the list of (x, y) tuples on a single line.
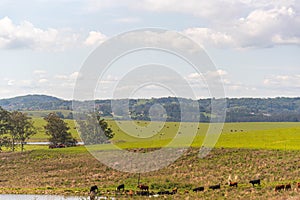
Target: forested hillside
[(238, 109)]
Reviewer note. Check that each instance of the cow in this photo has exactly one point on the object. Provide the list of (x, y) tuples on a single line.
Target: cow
[(122, 186), (232, 184), (94, 188), (143, 187), (174, 190), (287, 187), (198, 189), (93, 192), (215, 187), (256, 181), (279, 187)]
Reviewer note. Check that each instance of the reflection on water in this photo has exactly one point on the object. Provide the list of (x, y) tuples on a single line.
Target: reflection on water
[(37, 197)]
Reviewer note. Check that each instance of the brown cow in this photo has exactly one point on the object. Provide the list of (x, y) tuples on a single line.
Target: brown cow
[(233, 184), (174, 190), (279, 187), (143, 187)]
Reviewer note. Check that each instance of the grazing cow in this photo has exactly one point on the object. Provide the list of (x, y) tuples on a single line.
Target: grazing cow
[(279, 187), (143, 187), (174, 190), (198, 189), (122, 186), (287, 187), (94, 188), (256, 181), (233, 184), (215, 187), (93, 192)]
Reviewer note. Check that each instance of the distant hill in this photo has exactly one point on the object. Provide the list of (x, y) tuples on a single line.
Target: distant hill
[(279, 109), (35, 102)]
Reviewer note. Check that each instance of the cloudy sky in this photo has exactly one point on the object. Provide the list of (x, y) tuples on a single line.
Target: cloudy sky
[(254, 44)]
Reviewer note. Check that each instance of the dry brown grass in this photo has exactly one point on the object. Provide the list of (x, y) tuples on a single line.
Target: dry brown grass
[(72, 172)]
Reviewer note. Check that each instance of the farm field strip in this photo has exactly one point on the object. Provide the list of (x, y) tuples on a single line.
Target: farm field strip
[(255, 135)]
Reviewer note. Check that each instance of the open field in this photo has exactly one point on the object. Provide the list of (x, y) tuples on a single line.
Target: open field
[(234, 135), (269, 151), (39, 123), (73, 170), (258, 135)]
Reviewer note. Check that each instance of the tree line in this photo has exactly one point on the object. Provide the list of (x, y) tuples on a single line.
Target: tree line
[(237, 109), (17, 127)]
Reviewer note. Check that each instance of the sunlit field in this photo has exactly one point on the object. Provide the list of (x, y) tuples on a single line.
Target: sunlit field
[(257, 135)]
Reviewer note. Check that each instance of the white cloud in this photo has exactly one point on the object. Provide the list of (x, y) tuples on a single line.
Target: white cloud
[(95, 38), (259, 28), (206, 36), (11, 82), (283, 81), (26, 35), (283, 85), (43, 80), (268, 27)]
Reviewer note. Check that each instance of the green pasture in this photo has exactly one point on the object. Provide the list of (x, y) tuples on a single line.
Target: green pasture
[(44, 113), (142, 134), (39, 123), (267, 135)]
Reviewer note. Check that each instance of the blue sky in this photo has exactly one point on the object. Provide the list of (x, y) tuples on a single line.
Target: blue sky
[(253, 43)]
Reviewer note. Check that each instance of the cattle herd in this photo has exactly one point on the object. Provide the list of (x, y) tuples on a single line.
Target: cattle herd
[(144, 189)]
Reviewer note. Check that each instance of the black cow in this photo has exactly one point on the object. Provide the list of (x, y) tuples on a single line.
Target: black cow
[(93, 192), (120, 187), (279, 187), (215, 187), (287, 187), (253, 182), (94, 188), (198, 189)]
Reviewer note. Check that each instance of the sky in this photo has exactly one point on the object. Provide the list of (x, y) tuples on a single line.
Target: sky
[(254, 44)]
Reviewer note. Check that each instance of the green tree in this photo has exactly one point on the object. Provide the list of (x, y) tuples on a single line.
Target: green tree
[(4, 127), (20, 128), (94, 130), (58, 131), (4, 119)]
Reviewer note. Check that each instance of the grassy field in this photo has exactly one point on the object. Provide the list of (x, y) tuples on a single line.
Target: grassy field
[(269, 151), (234, 135), (257, 135), (71, 171), (39, 123)]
